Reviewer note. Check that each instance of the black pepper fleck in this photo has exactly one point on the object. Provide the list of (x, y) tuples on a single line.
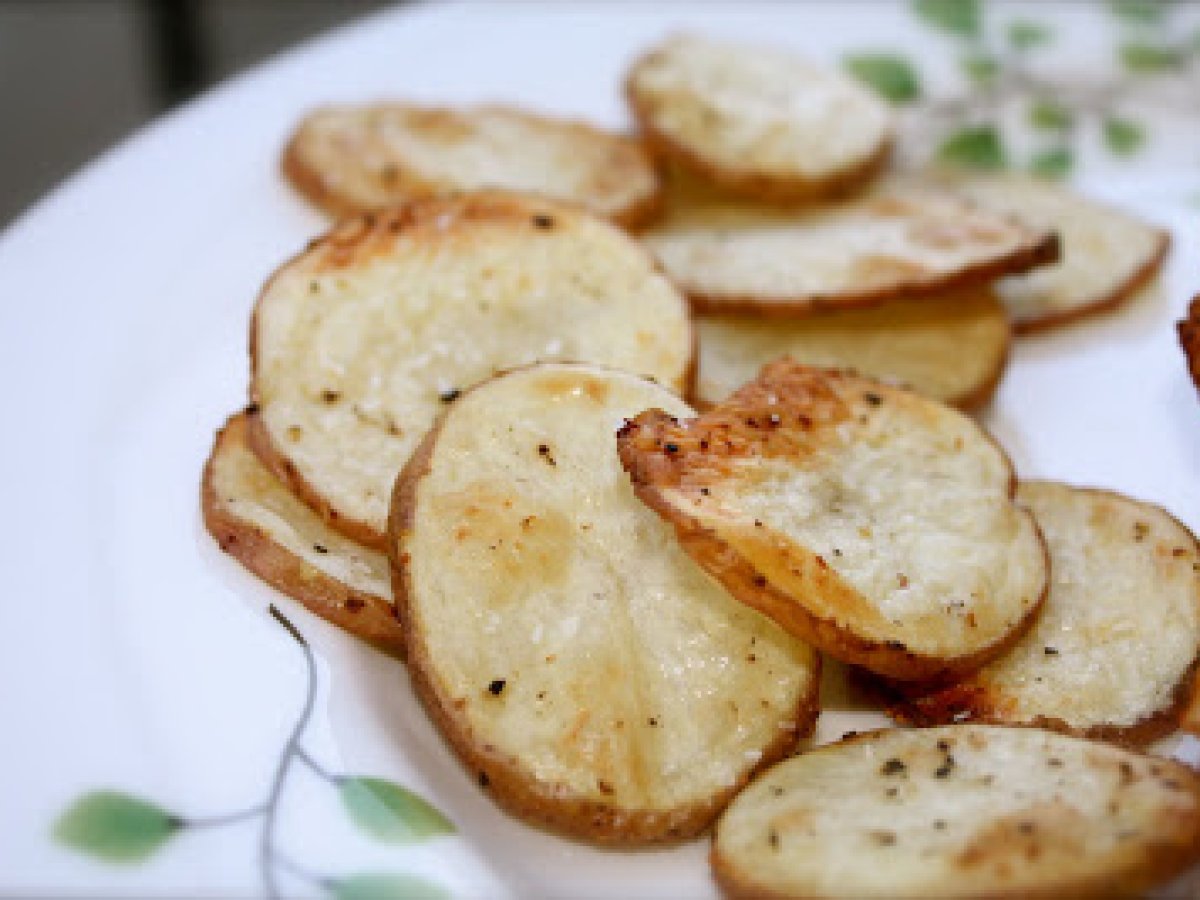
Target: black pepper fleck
[(496, 687), (893, 767), (543, 221), (449, 395), (320, 548), (1050, 651)]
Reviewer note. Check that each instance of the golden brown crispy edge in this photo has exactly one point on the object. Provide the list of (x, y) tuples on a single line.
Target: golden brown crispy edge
[(942, 704), (1114, 299), (1044, 251), (312, 187), (545, 805), (1161, 862), (646, 463), (749, 183), (352, 238), (1189, 339), (361, 613)]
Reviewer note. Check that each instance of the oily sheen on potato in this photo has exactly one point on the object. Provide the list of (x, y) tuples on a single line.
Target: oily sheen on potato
[(359, 342), (355, 159), (589, 674), (907, 238), (874, 523), (1107, 255), (258, 521), (952, 348), (968, 811), (757, 120), (1113, 652)]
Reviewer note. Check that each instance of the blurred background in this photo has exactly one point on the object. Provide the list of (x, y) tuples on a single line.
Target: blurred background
[(76, 76)]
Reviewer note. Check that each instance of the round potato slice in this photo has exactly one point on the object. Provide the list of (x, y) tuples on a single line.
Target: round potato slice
[(908, 238), (968, 811), (758, 121), (951, 348), (360, 341), (592, 677), (1113, 652), (1107, 255), (874, 523), (259, 522), (356, 159)]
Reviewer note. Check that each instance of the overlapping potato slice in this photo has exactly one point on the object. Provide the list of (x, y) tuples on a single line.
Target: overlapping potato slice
[(907, 238), (1189, 339), (1107, 255), (258, 521), (355, 159), (952, 348), (359, 342), (589, 673), (757, 120), (1113, 652), (874, 523), (968, 811)]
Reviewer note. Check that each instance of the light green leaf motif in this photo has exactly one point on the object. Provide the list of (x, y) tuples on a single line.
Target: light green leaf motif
[(1143, 11), (892, 77), (391, 813), (115, 827), (385, 887), (979, 68), (1024, 35), (1054, 163), (1048, 115), (976, 147), (1122, 136), (1142, 57), (960, 17)]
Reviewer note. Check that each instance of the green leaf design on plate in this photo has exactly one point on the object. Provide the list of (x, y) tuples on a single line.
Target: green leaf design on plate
[(1025, 35), (980, 68), (391, 813), (961, 17), (977, 147), (1138, 56), (1048, 115), (385, 887), (1055, 162), (891, 76), (1144, 11), (115, 827), (1122, 136)]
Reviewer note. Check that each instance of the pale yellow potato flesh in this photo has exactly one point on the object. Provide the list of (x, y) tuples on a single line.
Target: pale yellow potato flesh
[(952, 348), (968, 811), (565, 643)]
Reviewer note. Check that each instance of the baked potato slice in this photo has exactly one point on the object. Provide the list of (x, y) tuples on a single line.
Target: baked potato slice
[(355, 159), (258, 521), (756, 120), (906, 238), (1189, 339), (588, 673), (874, 523), (966, 811), (359, 342), (952, 348), (1107, 255), (1113, 653)]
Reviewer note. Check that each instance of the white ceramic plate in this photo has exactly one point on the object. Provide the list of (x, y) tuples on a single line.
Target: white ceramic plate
[(134, 656)]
